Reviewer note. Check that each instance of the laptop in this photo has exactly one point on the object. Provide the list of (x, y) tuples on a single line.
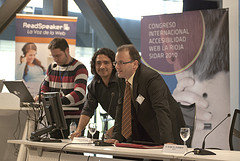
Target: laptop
[(19, 89)]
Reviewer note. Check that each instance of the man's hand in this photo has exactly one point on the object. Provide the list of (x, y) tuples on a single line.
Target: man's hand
[(108, 134), (77, 133), (36, 98), (187, 97), (112, 141)]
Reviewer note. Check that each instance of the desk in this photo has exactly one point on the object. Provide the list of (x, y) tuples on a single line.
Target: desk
[(29, 128), (9, 107), (51, 150)]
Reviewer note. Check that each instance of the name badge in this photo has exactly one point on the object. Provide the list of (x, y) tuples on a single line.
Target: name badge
[(140, 99)]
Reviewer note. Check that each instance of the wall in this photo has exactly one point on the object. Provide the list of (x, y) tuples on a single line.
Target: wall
[(12, 125), (233, 6)]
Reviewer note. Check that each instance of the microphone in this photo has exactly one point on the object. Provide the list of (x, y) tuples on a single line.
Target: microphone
[(39, 92), (108, 111), (39, 96), (110, 104), (101, 142), (202, 151)]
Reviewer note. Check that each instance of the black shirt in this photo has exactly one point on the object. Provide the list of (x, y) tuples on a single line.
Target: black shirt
[(98, 92)]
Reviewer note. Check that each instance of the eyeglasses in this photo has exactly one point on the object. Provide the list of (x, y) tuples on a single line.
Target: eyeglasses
[(120, 63)]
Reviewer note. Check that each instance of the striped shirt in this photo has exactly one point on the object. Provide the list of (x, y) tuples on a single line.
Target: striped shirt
[(71, 81)]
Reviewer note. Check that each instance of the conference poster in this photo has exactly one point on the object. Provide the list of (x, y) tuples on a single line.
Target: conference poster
[(191, 51), (33, 34)]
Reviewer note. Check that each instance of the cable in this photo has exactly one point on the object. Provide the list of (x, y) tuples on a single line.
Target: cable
[(188, 152), (60, 153), (61, 131), (40, 117), (16, 149), (28, 120), (88, 158), (16, 133)]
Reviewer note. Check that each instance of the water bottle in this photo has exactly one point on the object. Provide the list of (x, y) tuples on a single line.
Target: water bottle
[(72, 127)]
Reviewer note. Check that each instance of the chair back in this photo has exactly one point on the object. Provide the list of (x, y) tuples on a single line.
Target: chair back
[(234, 135), (189, 115), (104, 121)]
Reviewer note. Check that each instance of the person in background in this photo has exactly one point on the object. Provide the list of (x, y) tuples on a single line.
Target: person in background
[(30, 68), (103, 89), (146, 109), (67, 76)]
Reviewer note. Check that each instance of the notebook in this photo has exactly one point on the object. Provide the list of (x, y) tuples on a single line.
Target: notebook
[(19, 89)]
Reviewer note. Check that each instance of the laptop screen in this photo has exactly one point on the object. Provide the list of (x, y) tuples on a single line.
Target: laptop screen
[(19, 89)]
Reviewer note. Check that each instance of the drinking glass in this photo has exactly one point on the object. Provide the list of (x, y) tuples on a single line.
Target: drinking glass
[(185, 134), (92, 128)]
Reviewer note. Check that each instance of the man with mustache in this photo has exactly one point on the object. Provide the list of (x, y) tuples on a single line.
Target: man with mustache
[(103, 89)]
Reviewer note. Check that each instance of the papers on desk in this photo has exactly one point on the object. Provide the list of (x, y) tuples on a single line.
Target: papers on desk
[(82, 140), (139, 146)]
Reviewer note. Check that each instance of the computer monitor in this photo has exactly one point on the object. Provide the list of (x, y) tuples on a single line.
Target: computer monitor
[(54, 115)]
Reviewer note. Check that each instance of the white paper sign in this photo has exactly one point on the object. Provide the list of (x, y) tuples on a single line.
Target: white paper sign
[(173, 148)]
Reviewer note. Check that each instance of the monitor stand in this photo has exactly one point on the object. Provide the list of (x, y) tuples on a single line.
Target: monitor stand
[(50, 140), (36, 135)]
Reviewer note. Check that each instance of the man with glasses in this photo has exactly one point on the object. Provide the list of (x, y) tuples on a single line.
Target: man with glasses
[(146, 111), (103, 89)]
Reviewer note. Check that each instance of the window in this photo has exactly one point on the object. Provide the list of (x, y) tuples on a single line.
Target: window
[(127, 12), (134, 9)]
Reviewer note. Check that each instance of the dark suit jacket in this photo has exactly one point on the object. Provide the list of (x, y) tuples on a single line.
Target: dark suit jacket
[(159, 114)]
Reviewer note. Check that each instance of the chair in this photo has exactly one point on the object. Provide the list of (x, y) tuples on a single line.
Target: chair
[(234, 136), (104, 121), (189, 115)]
